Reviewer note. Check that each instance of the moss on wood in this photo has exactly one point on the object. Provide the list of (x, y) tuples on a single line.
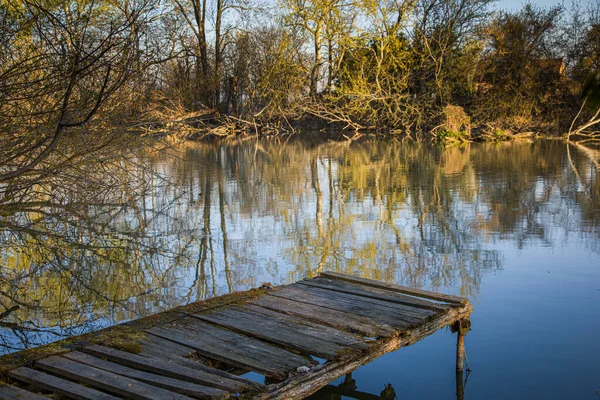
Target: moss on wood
[(127, 336)]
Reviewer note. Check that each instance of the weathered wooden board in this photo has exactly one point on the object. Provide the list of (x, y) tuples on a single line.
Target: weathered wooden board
[(396, 314), (396, 288), (296, 336), (337, 319), (175, 385), (406, 313), (8, 392), (341, 286), (210, 377), (161, 348), (155, 347), (310, 328), (113, 383), (232, 348), (55, 384), (384, 317)]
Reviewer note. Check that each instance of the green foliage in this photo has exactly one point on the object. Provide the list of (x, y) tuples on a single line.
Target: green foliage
[(447, 135), (500, 134)]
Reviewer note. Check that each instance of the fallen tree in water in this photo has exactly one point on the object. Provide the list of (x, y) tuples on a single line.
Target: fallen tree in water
[(587, 132)]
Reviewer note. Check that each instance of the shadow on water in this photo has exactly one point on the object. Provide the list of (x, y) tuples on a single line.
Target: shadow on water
[(203, 220), (348, 389)]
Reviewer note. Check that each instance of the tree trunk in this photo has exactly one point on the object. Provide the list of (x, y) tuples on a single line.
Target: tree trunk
[(218, 55), (202, 61), (314, 75)]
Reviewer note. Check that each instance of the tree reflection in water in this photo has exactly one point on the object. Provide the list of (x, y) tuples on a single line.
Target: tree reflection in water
[(80, 254), (202, 220)]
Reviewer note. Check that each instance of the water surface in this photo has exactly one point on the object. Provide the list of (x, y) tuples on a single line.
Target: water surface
[(514, 227)]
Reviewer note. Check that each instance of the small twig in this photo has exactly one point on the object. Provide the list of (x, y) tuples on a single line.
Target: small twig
[(467, 362), (466, 378)]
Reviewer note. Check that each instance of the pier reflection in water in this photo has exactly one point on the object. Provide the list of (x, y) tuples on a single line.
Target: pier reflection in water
[(348, 388), (202, 220)]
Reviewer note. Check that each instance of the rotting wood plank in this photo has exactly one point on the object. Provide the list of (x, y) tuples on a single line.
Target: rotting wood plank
[(315, 329), (113, 383), (233, 348), (188, 388), (153, 346), (55, 384), (9, 392), (170, 352), (406, 312), (303, 385), (338, 285), (276, 353), (299, 337), (337, 319), (286, 357), (210, 376), (396, 288), (401, 312), (385, 317)]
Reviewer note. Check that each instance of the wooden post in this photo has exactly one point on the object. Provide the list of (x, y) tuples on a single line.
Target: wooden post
[(462, 327), (460, 386), (460, 352)]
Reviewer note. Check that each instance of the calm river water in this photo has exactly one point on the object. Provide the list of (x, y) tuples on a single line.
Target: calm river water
[(515, 227)]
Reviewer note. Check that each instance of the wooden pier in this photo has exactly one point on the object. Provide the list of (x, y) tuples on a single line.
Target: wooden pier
[(299, 337)]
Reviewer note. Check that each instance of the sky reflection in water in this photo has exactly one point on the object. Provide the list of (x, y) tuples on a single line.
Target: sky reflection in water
[(509, 225)]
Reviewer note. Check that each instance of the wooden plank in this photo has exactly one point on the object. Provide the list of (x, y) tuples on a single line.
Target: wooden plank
[(232, 348), (397, 288), (295, 336), (155, 347), (188, 388), (209, 376), (405, 312), (382, 316), (309, 328), (55, 384), (163, 348), (401, 312), (113, 383), (374, 293), (337, 319), (173, 353), (275, 353), (8, 392)]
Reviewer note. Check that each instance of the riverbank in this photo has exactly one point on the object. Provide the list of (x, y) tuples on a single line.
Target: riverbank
[(209, 126), (452, 125)]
